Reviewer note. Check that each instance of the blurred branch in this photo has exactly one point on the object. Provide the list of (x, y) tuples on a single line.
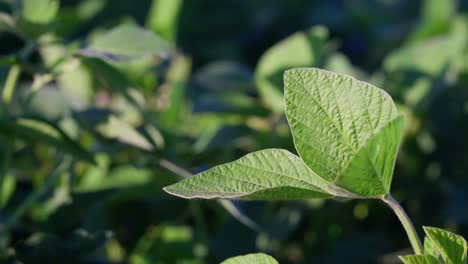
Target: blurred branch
[(228, 205)]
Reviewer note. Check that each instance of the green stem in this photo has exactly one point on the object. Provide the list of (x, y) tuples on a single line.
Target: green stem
[(10, 84), (406, 222), (8, 151)]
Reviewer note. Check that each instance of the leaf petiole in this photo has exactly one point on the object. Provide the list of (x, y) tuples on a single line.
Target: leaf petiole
[(406, 222)]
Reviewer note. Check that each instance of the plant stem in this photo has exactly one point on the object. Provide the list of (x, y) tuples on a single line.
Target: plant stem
[(10, 84), (5, 164), (406, 222)]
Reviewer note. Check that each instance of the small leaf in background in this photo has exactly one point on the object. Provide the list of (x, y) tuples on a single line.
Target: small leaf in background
[(452, 247), (418, 76), (118, 129), (172, 94), (118, 178), (106, 75), (9, 186), (339, 63), (251, 259), (436, 18), (347, 131), (7, 23), (163, 18), (165, 244), (40, 11), (71, 77), (33, 129), (126, 42), (224, 76), (271, 174), (301, 49), (420, 259)]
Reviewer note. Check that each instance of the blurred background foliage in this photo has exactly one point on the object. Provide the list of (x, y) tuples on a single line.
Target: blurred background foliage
[(116, 99)]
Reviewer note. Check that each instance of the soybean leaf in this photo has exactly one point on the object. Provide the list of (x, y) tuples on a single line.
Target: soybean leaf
[(431, 249), (258, 258), (419, 259), (452, 247), (44, 132), (347, 131), (271, 174), (300, 49), (39, 11), (126, 42)]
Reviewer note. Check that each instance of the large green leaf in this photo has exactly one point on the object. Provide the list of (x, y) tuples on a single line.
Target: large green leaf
[(347, 131), (258, 258), (40, 11), (299, 50), (419, 259), (271, 174), (452, 247), (126, 42)]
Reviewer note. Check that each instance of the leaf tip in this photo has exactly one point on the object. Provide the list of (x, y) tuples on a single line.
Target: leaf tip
[(169, 189), (172, 190)]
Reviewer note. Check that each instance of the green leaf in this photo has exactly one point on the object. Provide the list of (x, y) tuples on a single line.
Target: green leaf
[(163, 17), (175, 89), (115, 45), (431, 249), (452, 247), (8, 188), (271, 174), (40, 11), (347, 131), (7, 23), (118, 129), (35, 129), (258, 258), (436, 18), (446, 49), (300, 49), (419, 259)]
